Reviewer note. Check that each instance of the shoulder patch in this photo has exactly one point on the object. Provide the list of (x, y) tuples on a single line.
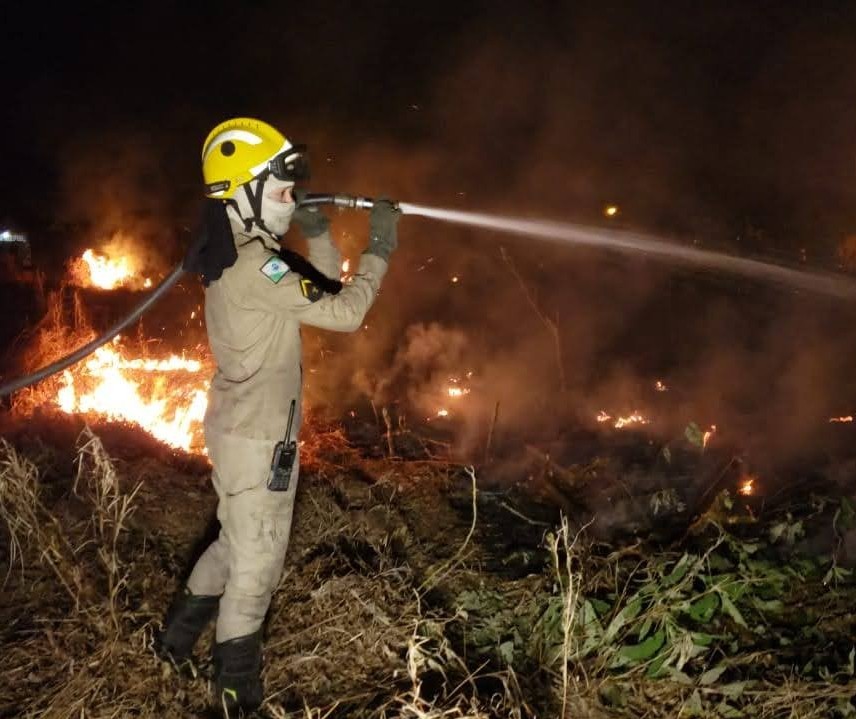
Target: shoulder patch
[(274, 269), (310, 290)]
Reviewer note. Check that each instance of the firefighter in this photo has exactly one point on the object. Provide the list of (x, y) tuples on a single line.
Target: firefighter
[(256, 299)]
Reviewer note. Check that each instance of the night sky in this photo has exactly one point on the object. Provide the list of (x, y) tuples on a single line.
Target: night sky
[(710, 119)]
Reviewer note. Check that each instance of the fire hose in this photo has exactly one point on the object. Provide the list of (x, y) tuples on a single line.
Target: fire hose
[(338, 200)]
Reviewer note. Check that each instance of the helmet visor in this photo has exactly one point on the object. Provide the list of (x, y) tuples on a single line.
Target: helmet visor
[(291, 165)]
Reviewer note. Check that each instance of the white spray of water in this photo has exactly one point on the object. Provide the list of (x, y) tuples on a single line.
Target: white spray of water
[(818, 282)]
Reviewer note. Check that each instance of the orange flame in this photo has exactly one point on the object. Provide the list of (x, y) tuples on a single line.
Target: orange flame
[(707, 436), (747, 486), (842, 420), (166, 397), (622, 422), (632, 419), (97, 270)]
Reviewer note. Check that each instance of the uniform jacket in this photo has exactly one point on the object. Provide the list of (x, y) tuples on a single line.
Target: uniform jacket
[(253, 315)]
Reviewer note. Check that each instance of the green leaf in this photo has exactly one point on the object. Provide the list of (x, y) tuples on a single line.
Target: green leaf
[(694, 435), (506, 652), (625, 616), (729, 712), (693, 706), (600, 606), (636, 653), (679, 571), (655, 668), (643, 631), (712, 675), (702, 610), (846, 515), (733, 690), (731, 610), (676, 675), (702, 639), (770, 606)]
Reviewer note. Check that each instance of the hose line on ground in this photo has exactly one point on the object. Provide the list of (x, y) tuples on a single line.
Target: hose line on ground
[(79, 354)]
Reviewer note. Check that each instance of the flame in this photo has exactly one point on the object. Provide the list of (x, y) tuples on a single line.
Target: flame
[(632, 419), (455, 279), (442, 413), (660, 386), (167, 397), (346, 265), (842, 420), (747, 486), (622, 422), (706, 437), (610, 210), (98, 270)]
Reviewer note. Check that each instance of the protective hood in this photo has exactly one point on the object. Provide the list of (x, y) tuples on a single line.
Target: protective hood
[(275, 214)]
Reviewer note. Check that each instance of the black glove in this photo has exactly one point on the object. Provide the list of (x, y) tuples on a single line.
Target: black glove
[(383, 235), (311, 221)]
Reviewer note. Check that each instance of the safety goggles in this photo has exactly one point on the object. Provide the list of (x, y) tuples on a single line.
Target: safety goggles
[(291, 165)]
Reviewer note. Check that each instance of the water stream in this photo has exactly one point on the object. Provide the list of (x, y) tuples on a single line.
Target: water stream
[(625, 241)]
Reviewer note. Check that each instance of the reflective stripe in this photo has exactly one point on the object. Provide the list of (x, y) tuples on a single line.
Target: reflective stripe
[(242, 135)]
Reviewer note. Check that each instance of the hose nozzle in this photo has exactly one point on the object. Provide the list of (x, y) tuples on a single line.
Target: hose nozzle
[(345, 201)]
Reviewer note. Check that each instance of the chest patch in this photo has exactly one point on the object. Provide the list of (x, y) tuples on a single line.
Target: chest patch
[(275, 269), (310, 290)]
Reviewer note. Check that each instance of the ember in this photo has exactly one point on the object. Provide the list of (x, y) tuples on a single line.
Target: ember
[(841, 420), (747, 486), (622, 422), (634, 418)]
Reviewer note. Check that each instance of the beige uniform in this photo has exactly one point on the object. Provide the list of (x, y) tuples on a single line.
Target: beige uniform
[(253, 316)]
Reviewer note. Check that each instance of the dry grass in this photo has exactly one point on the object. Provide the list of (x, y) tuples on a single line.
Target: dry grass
[(366, 621)]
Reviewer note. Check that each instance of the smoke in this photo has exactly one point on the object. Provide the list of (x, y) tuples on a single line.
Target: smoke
[(555, 335), (118, 197), (577, 108)]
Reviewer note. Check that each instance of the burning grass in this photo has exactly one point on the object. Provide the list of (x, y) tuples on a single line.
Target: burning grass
[(125, 381)]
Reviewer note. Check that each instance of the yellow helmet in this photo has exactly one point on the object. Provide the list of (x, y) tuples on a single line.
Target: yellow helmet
[(241, 149)]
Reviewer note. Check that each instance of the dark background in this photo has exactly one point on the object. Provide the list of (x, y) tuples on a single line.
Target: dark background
[(729, 124), (704, 116)]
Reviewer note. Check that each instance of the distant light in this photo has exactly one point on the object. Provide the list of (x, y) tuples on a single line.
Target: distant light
[(455, 279), (4, 235), (610, 210)]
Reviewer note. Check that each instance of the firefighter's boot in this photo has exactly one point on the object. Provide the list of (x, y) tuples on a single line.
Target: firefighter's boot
[(185, 621), (238, 682)]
